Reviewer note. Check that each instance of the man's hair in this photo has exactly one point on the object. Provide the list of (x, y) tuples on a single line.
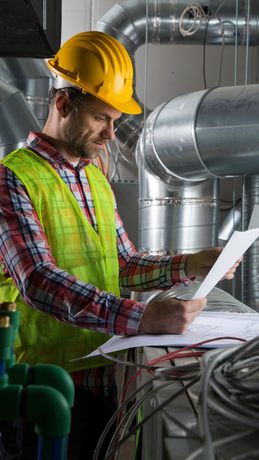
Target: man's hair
[(74, 95)]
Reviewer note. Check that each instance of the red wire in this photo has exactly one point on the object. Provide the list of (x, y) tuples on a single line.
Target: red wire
[(172, 355)]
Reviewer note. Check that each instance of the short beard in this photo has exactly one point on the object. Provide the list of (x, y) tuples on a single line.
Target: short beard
[(71, 135)]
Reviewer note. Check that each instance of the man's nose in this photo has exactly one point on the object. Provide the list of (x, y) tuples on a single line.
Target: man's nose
[(108, 132)]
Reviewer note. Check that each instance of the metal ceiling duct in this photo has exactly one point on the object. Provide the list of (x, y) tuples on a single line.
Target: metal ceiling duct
[(178, 220), (127, 23), (251, 257), (33, 78), (206, 134), (190, 142), (203, 135), (16, 119)]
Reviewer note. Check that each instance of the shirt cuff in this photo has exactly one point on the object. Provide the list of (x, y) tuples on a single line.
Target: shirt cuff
[(125, 317), (178, 275)]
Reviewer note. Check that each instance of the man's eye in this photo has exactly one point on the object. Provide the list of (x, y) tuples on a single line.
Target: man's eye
[(100, 118)]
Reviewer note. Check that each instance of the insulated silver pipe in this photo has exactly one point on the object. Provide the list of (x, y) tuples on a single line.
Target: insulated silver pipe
[(16, 119), (186, 141), (202, 135), (230, 224), (33, 78), (206, 143), (251, 257), (127, 23), (178, 220)]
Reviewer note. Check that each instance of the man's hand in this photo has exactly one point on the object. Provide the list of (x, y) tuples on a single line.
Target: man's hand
[(171, 316), (199, 264)]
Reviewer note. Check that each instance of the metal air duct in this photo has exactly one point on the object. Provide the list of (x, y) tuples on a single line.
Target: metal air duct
[(190, 142), (251, 258), (127, 23), (206, 134), (16, 119), (198, 136), (33, 78)]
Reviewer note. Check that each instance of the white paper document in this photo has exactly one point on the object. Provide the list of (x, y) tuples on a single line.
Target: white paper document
[(235, 248), (209, 325)]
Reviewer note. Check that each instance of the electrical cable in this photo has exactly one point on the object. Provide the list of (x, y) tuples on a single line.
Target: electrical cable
[(156, 410), (221, 442), (227, 412), (224, 395), (222, 49), (150, 368), (247, 348), (128, 419), (115, 415), (217, 358), (115, 162), (100, 164), (223, 367), (198, 12), (218, 300), (254, 455)]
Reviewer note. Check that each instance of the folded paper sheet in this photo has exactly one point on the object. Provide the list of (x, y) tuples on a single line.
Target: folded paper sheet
[(235, 248)]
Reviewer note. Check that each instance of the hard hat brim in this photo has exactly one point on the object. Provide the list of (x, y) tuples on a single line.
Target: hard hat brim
[(131, 107)]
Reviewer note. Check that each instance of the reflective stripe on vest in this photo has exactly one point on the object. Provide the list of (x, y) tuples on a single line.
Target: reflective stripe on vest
[(77, 249)]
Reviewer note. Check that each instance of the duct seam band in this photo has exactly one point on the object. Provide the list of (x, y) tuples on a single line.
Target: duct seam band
[(227, 127), (37, 100), (159, 252), (148, 202)]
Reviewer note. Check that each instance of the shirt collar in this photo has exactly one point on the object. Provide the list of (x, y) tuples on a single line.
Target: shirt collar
[(36, 143)]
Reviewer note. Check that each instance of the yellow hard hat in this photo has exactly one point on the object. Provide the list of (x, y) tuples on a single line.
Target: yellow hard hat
[(98, 64)]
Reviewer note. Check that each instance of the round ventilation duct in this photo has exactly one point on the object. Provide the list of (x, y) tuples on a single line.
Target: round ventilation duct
[(16, 119), (33, 78), (202, 135)]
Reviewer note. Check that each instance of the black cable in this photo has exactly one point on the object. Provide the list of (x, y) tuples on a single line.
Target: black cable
[(140, 424), (230, 201), (115, 415), (225, 396)]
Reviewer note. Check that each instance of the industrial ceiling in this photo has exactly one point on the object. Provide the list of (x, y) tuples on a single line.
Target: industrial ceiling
[(30, 28)]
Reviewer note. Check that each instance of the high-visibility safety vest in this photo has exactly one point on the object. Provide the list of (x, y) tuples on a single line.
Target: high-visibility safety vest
[(77, 249)]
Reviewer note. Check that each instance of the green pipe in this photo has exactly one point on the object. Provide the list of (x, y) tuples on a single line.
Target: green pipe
[(55, 377), (48, 409), (6, 339), (11, 397), (43, 374), (9, 309)]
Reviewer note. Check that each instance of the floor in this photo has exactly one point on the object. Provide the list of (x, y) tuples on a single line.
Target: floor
[(128, 450)]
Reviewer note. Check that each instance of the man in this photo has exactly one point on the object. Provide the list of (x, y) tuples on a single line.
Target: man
[(63, 248)]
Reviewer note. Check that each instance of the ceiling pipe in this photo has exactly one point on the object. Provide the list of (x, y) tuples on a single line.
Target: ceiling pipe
[(189, 142), (16, 119), (201, 135), (33, 78), (127, 23)]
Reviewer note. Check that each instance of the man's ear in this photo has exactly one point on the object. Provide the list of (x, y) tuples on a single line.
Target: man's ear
[(63, 105)]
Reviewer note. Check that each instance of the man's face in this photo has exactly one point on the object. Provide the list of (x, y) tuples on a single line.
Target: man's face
[(87, 130)]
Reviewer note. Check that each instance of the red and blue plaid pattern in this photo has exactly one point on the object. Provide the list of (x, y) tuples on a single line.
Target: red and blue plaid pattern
[(26, 256)]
